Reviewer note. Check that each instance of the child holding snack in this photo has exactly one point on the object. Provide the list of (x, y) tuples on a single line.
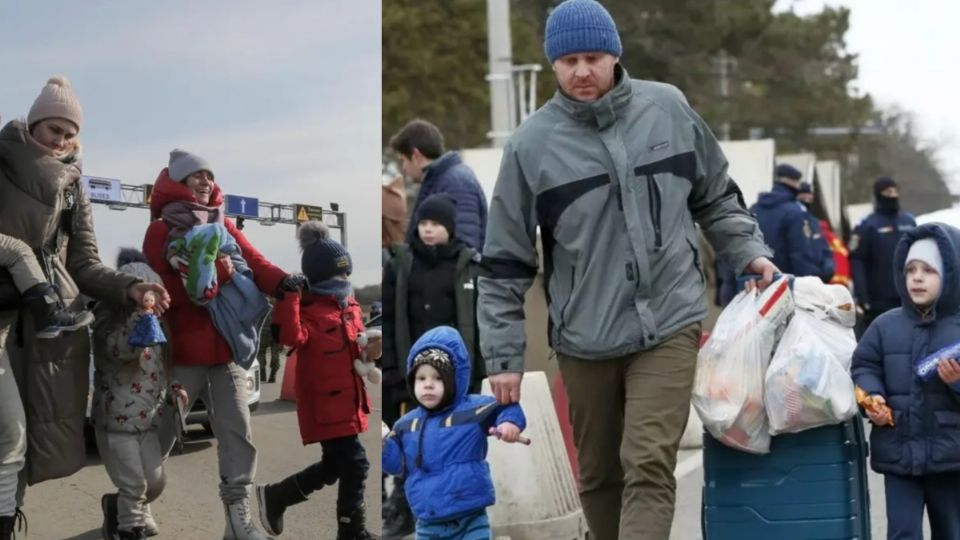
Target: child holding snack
[(441, 446), (916, 435)]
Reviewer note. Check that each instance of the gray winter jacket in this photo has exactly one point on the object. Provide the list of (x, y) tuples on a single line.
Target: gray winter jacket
[(615, 187)]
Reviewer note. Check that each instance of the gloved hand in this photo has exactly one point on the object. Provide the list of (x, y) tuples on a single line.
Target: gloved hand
[(293, 283)]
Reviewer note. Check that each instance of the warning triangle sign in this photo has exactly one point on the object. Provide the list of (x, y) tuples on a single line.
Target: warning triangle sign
[(302, 214)]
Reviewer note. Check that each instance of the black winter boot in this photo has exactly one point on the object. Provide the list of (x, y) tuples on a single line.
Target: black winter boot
[(108, 503), (137, 533), (398, 520), (7, 524), (352, 525), (273, 500), (49, 314)]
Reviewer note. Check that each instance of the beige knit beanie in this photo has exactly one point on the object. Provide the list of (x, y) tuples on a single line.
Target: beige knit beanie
[(56, 100)]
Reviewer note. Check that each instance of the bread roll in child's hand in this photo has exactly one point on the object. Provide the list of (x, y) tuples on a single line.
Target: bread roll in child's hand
[(875, 407)]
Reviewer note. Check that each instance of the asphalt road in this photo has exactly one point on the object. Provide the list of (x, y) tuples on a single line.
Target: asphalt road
[(190, 508)]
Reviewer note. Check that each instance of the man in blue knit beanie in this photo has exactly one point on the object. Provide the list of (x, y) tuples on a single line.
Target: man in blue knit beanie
[(614, 173)]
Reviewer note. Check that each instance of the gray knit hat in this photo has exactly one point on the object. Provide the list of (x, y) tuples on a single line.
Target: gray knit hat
[(927, 251), (56, 100), (183, 164)]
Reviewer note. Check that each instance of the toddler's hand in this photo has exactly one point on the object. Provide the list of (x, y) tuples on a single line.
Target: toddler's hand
[(508, 432), (227, 263), (949, 370)]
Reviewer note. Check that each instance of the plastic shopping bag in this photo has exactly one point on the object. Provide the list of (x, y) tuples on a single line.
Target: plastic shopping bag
[(728, 389), (826, 302), (808, 382)]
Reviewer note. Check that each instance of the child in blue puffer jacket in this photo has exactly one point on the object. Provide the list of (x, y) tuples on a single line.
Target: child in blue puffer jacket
[(441, 446), (917, 449)]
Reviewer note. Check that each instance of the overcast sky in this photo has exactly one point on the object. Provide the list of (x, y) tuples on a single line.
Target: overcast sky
[(283, 98), (907, 56)]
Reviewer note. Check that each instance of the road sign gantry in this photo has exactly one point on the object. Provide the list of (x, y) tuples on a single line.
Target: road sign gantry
[(248, 208)]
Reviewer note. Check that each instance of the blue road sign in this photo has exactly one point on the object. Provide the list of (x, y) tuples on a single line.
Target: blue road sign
[(243, 206)]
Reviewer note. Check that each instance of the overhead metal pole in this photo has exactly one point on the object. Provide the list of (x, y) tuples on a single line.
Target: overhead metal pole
[(500, 76)]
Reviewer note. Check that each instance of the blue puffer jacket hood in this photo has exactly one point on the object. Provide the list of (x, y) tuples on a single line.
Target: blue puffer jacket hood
[(948, 240), (448, 340)]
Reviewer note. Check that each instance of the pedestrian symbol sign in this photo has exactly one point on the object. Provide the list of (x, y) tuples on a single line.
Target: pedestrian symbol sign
[(306, 212)]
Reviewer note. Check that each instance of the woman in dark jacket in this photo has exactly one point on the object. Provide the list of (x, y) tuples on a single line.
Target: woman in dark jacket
[(43, 205), (916, 446)]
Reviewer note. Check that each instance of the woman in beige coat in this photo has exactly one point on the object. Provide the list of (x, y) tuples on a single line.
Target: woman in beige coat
[(43, 383)]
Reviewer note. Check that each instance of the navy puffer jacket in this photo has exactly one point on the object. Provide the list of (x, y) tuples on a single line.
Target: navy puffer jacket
[(449, 175), (785, 229), (926, 437)]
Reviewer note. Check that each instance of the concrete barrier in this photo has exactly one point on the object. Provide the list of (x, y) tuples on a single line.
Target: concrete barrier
[(693, 434), (536, 492)]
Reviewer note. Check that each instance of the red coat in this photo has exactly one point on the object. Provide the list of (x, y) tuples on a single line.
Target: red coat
[(195, 340), (332, 399), (841, 257)]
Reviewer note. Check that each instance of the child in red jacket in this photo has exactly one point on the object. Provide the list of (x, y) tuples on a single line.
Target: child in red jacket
[(324, 324)]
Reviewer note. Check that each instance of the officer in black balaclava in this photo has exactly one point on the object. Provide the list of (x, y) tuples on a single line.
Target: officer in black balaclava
[(871, 251)]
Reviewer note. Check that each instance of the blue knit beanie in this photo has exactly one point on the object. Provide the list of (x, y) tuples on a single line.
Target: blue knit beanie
[(577, 26)]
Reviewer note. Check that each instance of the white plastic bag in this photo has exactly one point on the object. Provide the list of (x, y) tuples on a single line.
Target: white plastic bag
[(808, 382), (827, 302), (728, 388)]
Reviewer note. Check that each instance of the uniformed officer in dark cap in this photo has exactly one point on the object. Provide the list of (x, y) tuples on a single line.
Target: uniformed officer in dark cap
[(785, 227)]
